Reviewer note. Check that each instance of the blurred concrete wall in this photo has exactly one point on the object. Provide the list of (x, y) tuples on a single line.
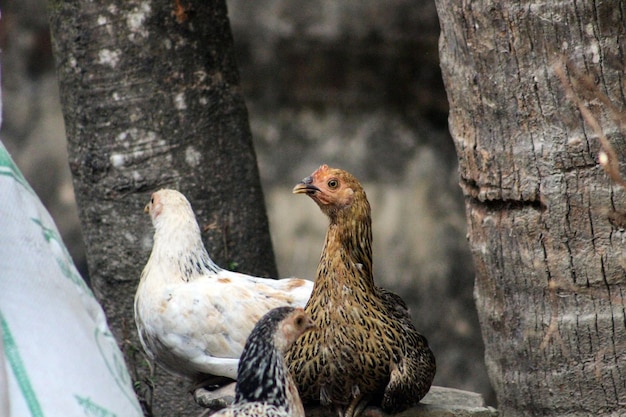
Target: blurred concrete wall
[(354, 84)]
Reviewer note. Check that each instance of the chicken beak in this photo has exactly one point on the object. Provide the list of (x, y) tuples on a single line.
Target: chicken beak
[(305, 187), (146, 209)]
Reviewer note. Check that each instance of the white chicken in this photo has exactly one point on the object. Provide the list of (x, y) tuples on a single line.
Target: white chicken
[(193, 317)]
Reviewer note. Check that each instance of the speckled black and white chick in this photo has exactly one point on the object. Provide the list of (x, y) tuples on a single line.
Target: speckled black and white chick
[(193, 317), (264, 385)]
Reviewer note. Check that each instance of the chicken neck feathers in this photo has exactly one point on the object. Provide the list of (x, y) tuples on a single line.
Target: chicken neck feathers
[(178, 250)]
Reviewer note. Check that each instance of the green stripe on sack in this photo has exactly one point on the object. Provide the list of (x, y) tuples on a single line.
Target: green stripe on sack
[(92, 409), (65, 263), (8, 168), (12, 354)]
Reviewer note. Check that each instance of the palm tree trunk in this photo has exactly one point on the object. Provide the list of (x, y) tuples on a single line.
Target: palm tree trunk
[(550, 267)]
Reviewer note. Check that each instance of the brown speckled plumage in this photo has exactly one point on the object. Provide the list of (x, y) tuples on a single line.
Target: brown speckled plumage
[(365, 349)]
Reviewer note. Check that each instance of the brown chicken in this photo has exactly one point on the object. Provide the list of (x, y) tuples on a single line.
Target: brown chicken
[(365, 348)]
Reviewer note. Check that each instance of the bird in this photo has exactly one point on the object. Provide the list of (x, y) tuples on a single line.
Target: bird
[(365, 349), (192, 316), (264, 385)]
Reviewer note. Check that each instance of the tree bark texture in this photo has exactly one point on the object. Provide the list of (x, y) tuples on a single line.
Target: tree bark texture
[(151, 99), (550, 269)]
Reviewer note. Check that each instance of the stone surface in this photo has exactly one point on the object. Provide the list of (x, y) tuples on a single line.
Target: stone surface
[(439, 402)]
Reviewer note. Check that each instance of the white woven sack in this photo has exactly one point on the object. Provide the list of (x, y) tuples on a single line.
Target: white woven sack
[(59, 357)]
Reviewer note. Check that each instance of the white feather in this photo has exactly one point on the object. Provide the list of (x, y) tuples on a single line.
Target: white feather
[(193, 317)]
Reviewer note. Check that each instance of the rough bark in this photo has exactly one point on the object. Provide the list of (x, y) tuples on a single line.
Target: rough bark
[(151, 99), (550, 272)]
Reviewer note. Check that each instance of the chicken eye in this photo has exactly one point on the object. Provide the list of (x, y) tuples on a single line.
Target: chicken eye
[(333, 183), (299, 321)]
